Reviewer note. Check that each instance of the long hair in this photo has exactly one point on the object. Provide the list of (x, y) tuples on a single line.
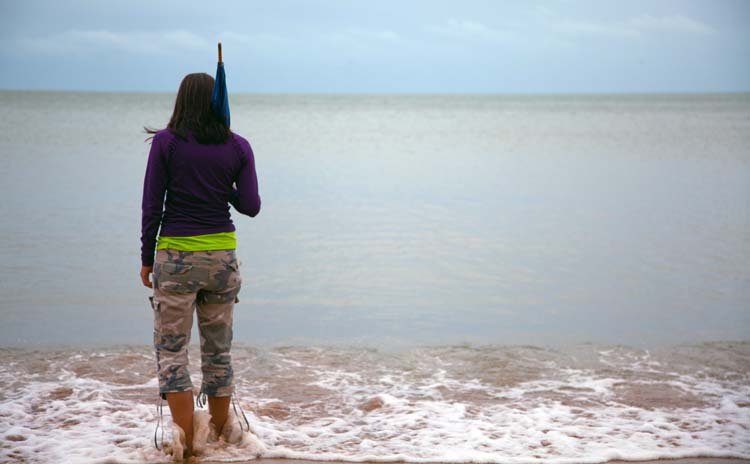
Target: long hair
[(192, 112)]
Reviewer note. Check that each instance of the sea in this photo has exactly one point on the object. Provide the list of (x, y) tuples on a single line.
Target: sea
[(432, 278)]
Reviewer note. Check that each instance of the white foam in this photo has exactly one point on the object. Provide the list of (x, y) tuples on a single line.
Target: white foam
[(177, 446), (424, 413), (201, 430), (90, 425)]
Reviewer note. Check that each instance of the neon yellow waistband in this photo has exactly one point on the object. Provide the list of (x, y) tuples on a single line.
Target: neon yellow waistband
[(205, 242)]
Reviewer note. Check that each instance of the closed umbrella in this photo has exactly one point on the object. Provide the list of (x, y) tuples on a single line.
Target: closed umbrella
[(220, 99)]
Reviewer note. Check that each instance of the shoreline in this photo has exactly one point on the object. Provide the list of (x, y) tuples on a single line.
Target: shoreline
[(618, 461)]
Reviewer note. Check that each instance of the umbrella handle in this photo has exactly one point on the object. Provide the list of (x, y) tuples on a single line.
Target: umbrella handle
[(219, 52)]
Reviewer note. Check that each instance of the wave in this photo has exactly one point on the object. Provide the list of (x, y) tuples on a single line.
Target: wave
[(483, 404)]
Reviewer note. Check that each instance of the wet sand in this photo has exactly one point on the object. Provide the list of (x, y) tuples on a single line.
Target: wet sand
[(660, 461)]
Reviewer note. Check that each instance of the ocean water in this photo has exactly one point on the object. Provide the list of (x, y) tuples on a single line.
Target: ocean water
[(454, 278), (512, 404)]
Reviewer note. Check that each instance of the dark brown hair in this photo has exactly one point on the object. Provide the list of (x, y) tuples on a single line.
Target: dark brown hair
[(192, 112)]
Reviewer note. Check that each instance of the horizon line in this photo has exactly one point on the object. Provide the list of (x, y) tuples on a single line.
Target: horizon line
[(417, 93)]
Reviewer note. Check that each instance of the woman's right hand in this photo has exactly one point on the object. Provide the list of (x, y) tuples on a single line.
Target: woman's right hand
[(145, 271)]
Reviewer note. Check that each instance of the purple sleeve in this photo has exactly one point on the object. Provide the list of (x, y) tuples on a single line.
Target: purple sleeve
[(152, 206), (245, 197)]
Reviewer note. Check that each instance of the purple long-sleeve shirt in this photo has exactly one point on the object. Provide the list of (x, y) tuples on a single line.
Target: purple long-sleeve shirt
[(197, 180)]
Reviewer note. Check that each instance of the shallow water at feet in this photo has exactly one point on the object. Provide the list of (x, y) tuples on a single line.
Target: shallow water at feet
[(510, 404)]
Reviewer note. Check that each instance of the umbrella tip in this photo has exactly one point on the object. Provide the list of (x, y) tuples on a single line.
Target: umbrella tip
[(220, 52)]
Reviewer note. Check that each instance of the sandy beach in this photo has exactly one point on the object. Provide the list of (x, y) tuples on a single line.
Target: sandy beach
[(661, 461)]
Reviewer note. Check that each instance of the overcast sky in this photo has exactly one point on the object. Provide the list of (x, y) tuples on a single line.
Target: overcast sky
[(460, 46)]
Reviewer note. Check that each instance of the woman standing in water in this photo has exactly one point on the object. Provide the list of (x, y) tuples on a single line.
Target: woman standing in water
[(196, 161)]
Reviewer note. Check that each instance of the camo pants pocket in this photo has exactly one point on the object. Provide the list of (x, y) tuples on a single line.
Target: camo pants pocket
[(172, 274)]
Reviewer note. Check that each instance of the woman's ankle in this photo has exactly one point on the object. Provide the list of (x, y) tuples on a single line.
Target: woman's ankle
[(218, 408), (218, 426)]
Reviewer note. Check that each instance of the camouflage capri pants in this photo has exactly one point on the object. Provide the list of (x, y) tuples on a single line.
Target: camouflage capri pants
[(208, 281)]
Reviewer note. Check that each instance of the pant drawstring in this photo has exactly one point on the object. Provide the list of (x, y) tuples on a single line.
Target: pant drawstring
[(201, 400), (235, 405), (159, 423)]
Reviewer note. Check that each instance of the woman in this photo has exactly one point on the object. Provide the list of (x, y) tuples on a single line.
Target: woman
[(196, 161)]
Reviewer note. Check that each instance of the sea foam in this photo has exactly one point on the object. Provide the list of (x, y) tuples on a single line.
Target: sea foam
[(452, 404)]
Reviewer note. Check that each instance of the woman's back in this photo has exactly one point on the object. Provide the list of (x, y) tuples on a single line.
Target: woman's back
[(198, 182)]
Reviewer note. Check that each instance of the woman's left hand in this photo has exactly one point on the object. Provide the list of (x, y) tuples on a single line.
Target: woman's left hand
[(145, 271)]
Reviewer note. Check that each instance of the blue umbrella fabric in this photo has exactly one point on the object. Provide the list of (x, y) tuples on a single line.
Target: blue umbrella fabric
[(220, 98)]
